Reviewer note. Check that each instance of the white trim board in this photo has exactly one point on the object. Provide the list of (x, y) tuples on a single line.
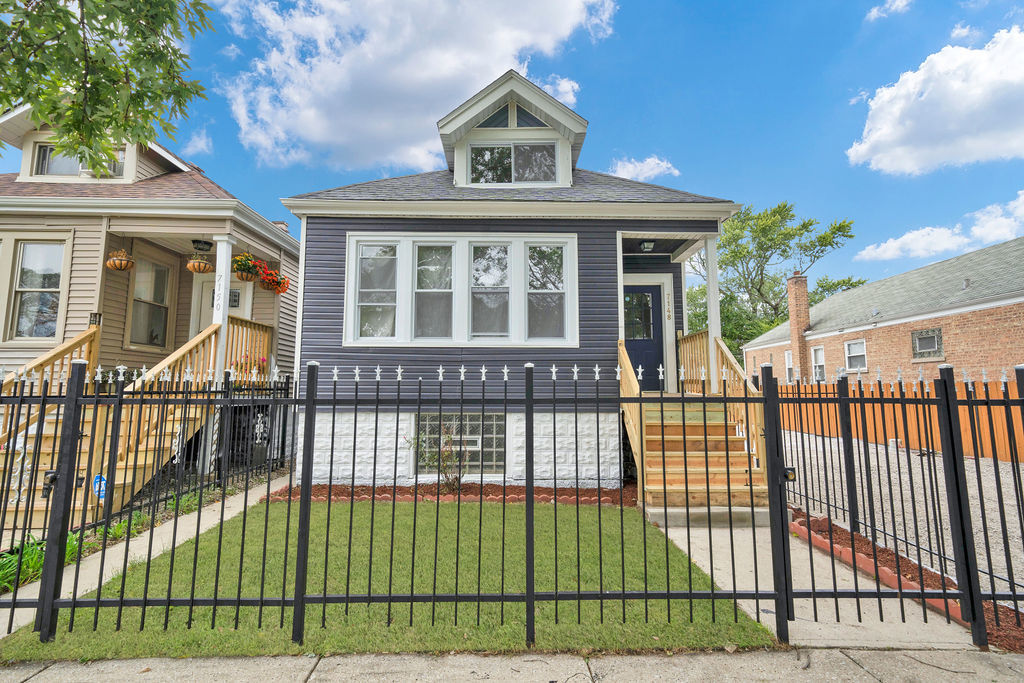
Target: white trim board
[(663, 280)]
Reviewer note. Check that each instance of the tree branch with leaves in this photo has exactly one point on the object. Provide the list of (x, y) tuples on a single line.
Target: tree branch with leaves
[(100, 73)]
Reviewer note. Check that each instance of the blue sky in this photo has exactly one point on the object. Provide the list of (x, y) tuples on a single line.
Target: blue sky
[(754, 102)]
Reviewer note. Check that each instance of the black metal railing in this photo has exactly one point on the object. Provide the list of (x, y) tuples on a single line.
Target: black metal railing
[(492, 497)]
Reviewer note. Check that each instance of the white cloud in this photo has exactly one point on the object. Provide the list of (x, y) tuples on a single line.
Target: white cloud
[(562, 89), (646, 169), (960, 106), (199, 143), (994, 223), (231, 51), (964, 33), (350, 84), (861, 96), (887, 8)]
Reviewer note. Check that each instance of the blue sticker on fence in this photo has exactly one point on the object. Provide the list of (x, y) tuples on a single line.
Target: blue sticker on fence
[(99, 486)]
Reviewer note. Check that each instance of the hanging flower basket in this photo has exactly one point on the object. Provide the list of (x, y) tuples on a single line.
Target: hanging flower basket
[(199, 264), (272, 280), (120, 260), (247, 267)]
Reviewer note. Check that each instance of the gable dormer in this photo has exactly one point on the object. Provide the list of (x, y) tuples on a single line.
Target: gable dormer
[(511, 134), (41, 163)]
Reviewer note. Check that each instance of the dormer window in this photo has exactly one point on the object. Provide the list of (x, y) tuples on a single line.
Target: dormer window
[(520, 163), (503, 119), (50, 162)]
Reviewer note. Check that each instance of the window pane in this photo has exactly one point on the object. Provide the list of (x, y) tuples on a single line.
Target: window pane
[(535, 163), (376, 297), (546, 315), (818, 356), (546, 268), (376, 321), (378, 250), (433, 267), (854, 348), (51, 163), (926, 343), (637, 310), (490, 164), (149, 324), (525, 119), (41, 263), (490, 313), (37, 314), (859, 362), (498, 119), (490, 266), (377, 273), (151, 282), (453, 439), (433, 314)]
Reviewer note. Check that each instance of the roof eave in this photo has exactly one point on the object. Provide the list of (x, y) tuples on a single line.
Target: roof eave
[(303, 207)]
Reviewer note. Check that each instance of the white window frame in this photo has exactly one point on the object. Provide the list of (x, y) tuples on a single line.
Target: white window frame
[(846, 355), (416, 289), (815, 366), (82, 168), (790, 374), (159, 258), (512, 145), (462, 287), (62, 289), (508, 287)]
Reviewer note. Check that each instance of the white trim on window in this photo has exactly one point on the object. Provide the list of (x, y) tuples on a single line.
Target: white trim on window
[(462, 245), (790, 375), (816, 366), (512, 144), (847, 355)]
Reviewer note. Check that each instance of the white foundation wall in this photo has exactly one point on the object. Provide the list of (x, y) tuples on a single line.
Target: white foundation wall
[(597, 436)]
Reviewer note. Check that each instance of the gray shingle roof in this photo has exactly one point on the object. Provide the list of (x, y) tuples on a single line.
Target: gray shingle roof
[(588, 186), (994, 272)]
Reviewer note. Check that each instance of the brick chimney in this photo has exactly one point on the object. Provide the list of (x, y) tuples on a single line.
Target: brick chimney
[(799, 322), (281, 224)]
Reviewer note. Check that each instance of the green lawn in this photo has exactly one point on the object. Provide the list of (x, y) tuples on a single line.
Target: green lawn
[(364, 628)]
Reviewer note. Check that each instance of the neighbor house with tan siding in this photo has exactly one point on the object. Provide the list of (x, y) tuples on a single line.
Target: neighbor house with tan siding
[(59, 223)]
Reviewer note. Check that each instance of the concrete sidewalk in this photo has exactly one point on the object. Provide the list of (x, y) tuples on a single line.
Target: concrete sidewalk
[(817, 665)]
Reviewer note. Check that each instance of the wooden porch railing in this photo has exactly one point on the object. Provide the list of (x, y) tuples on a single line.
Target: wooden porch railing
[(693, 358), (632, 413), (57, 361), (249, 347), (748, 414)]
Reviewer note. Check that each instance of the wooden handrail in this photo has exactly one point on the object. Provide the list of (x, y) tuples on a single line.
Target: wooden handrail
[(693, 357), (196, 354), (85, 345), (249, 347), (629, 387), (734, 373)]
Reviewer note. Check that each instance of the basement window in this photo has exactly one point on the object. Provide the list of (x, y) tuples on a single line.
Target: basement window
[(468, 443)]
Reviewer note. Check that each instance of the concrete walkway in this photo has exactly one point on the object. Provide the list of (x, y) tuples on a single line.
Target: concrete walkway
[(870, 631), (810, 665), (164, 539)]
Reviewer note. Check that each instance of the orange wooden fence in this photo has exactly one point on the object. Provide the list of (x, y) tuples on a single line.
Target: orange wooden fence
[(985, 424)]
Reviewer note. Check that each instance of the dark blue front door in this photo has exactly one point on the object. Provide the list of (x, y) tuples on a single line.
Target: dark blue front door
[(644, 329)]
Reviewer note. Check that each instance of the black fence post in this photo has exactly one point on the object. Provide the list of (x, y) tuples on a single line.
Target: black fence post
[(961, 530), (531, 634), (846, 436), (778, 513), (60, 515), (305, 496)]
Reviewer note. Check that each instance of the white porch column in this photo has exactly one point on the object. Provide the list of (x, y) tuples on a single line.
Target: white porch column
[(684, 313), (714, 314), (221, 291)]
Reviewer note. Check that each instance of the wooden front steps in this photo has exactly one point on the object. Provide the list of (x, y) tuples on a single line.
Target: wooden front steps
[(698, 457)]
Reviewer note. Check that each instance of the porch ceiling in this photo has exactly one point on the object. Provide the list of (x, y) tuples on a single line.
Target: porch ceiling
[(665, 244), (182, 243)]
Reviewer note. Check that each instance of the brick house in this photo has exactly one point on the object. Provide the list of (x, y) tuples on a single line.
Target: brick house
[(967, 311)]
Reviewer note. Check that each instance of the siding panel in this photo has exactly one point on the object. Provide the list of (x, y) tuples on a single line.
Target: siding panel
[(324, 294)]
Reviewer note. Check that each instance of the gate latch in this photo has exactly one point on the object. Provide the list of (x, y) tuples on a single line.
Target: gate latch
[(789, 473), (49, 479)]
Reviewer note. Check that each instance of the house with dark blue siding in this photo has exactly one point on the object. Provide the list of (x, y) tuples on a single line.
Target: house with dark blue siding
[(512, 254)]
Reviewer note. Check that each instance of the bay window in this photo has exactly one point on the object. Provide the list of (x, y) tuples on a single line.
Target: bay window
[(442, 290)]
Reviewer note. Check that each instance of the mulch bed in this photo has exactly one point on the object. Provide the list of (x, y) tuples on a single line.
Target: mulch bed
[(1007, 635), (491, 493)]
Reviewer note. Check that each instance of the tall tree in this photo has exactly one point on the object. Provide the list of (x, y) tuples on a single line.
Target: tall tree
[(757, 251), (100, 73)]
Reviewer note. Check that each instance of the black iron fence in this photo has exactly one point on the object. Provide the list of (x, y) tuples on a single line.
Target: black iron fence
[(375, 498)]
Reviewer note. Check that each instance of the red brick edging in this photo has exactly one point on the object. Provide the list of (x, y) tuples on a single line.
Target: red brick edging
[(885, 575)]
